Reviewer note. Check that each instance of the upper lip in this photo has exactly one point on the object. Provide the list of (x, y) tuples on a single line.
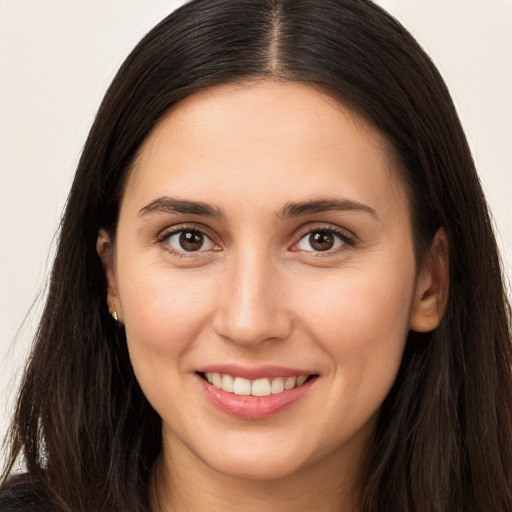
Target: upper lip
[(253, 373)]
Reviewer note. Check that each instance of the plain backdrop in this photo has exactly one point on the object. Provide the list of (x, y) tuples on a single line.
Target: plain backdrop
[(57, 58)]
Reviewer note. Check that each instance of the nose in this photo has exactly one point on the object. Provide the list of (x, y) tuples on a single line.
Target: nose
[(251, 303)]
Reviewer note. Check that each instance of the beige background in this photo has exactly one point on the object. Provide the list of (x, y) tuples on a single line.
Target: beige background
[(57, 58)]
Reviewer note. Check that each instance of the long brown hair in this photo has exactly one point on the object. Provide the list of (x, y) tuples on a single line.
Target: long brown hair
[(86, 433)]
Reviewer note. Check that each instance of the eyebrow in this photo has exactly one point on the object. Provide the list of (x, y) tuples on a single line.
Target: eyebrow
[(174, 205), (323, 205)]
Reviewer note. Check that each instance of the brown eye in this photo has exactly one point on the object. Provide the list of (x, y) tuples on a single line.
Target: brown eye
[(188, 240), (191, 240), (322, 240)]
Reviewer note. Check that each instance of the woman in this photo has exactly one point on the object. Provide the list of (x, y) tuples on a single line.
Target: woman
[(277, 285)]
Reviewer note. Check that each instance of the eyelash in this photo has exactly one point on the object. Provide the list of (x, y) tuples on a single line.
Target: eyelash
[(347, 240), (164, 237)]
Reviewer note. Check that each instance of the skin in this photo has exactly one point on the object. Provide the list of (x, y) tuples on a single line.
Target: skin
[(259, 293)]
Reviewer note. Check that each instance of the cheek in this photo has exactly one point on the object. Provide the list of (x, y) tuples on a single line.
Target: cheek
[(165, 313), (361, 320), (164, 310)]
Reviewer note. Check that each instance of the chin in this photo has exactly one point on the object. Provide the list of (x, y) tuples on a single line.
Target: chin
[(256, 468), (267, 459)]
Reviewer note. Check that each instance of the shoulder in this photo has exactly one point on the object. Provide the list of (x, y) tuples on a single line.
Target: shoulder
[(20, 494)]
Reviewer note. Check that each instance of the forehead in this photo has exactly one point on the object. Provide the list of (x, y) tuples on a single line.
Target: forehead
[(261, 138)]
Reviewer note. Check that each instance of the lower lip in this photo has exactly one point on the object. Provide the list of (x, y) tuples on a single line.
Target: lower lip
[(254, 407)]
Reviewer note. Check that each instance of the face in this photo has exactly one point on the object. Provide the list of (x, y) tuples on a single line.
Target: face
[(264, 271)]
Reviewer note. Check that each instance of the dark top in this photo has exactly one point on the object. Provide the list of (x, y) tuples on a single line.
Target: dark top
[(20, 494)]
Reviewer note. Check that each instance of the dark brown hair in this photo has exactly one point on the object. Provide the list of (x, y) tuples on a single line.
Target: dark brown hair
[(443, 441)]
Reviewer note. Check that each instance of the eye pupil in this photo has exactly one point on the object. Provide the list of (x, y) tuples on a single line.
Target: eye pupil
[(191, 240), (321, 240)]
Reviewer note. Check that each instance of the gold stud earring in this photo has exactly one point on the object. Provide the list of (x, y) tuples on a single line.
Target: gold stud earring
[(112, 310)]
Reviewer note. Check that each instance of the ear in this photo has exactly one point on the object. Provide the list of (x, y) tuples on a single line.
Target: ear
[(432, 286), (106, 252)]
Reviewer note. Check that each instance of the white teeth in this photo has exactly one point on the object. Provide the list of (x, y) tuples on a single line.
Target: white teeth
[(277, 385), (258, 387), (227, 383), (290, 383), (217, 380), (301, 380), (242, 386), (261, 387)]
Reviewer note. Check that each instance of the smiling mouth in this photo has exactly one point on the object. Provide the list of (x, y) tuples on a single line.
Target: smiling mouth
[(258, 387)]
